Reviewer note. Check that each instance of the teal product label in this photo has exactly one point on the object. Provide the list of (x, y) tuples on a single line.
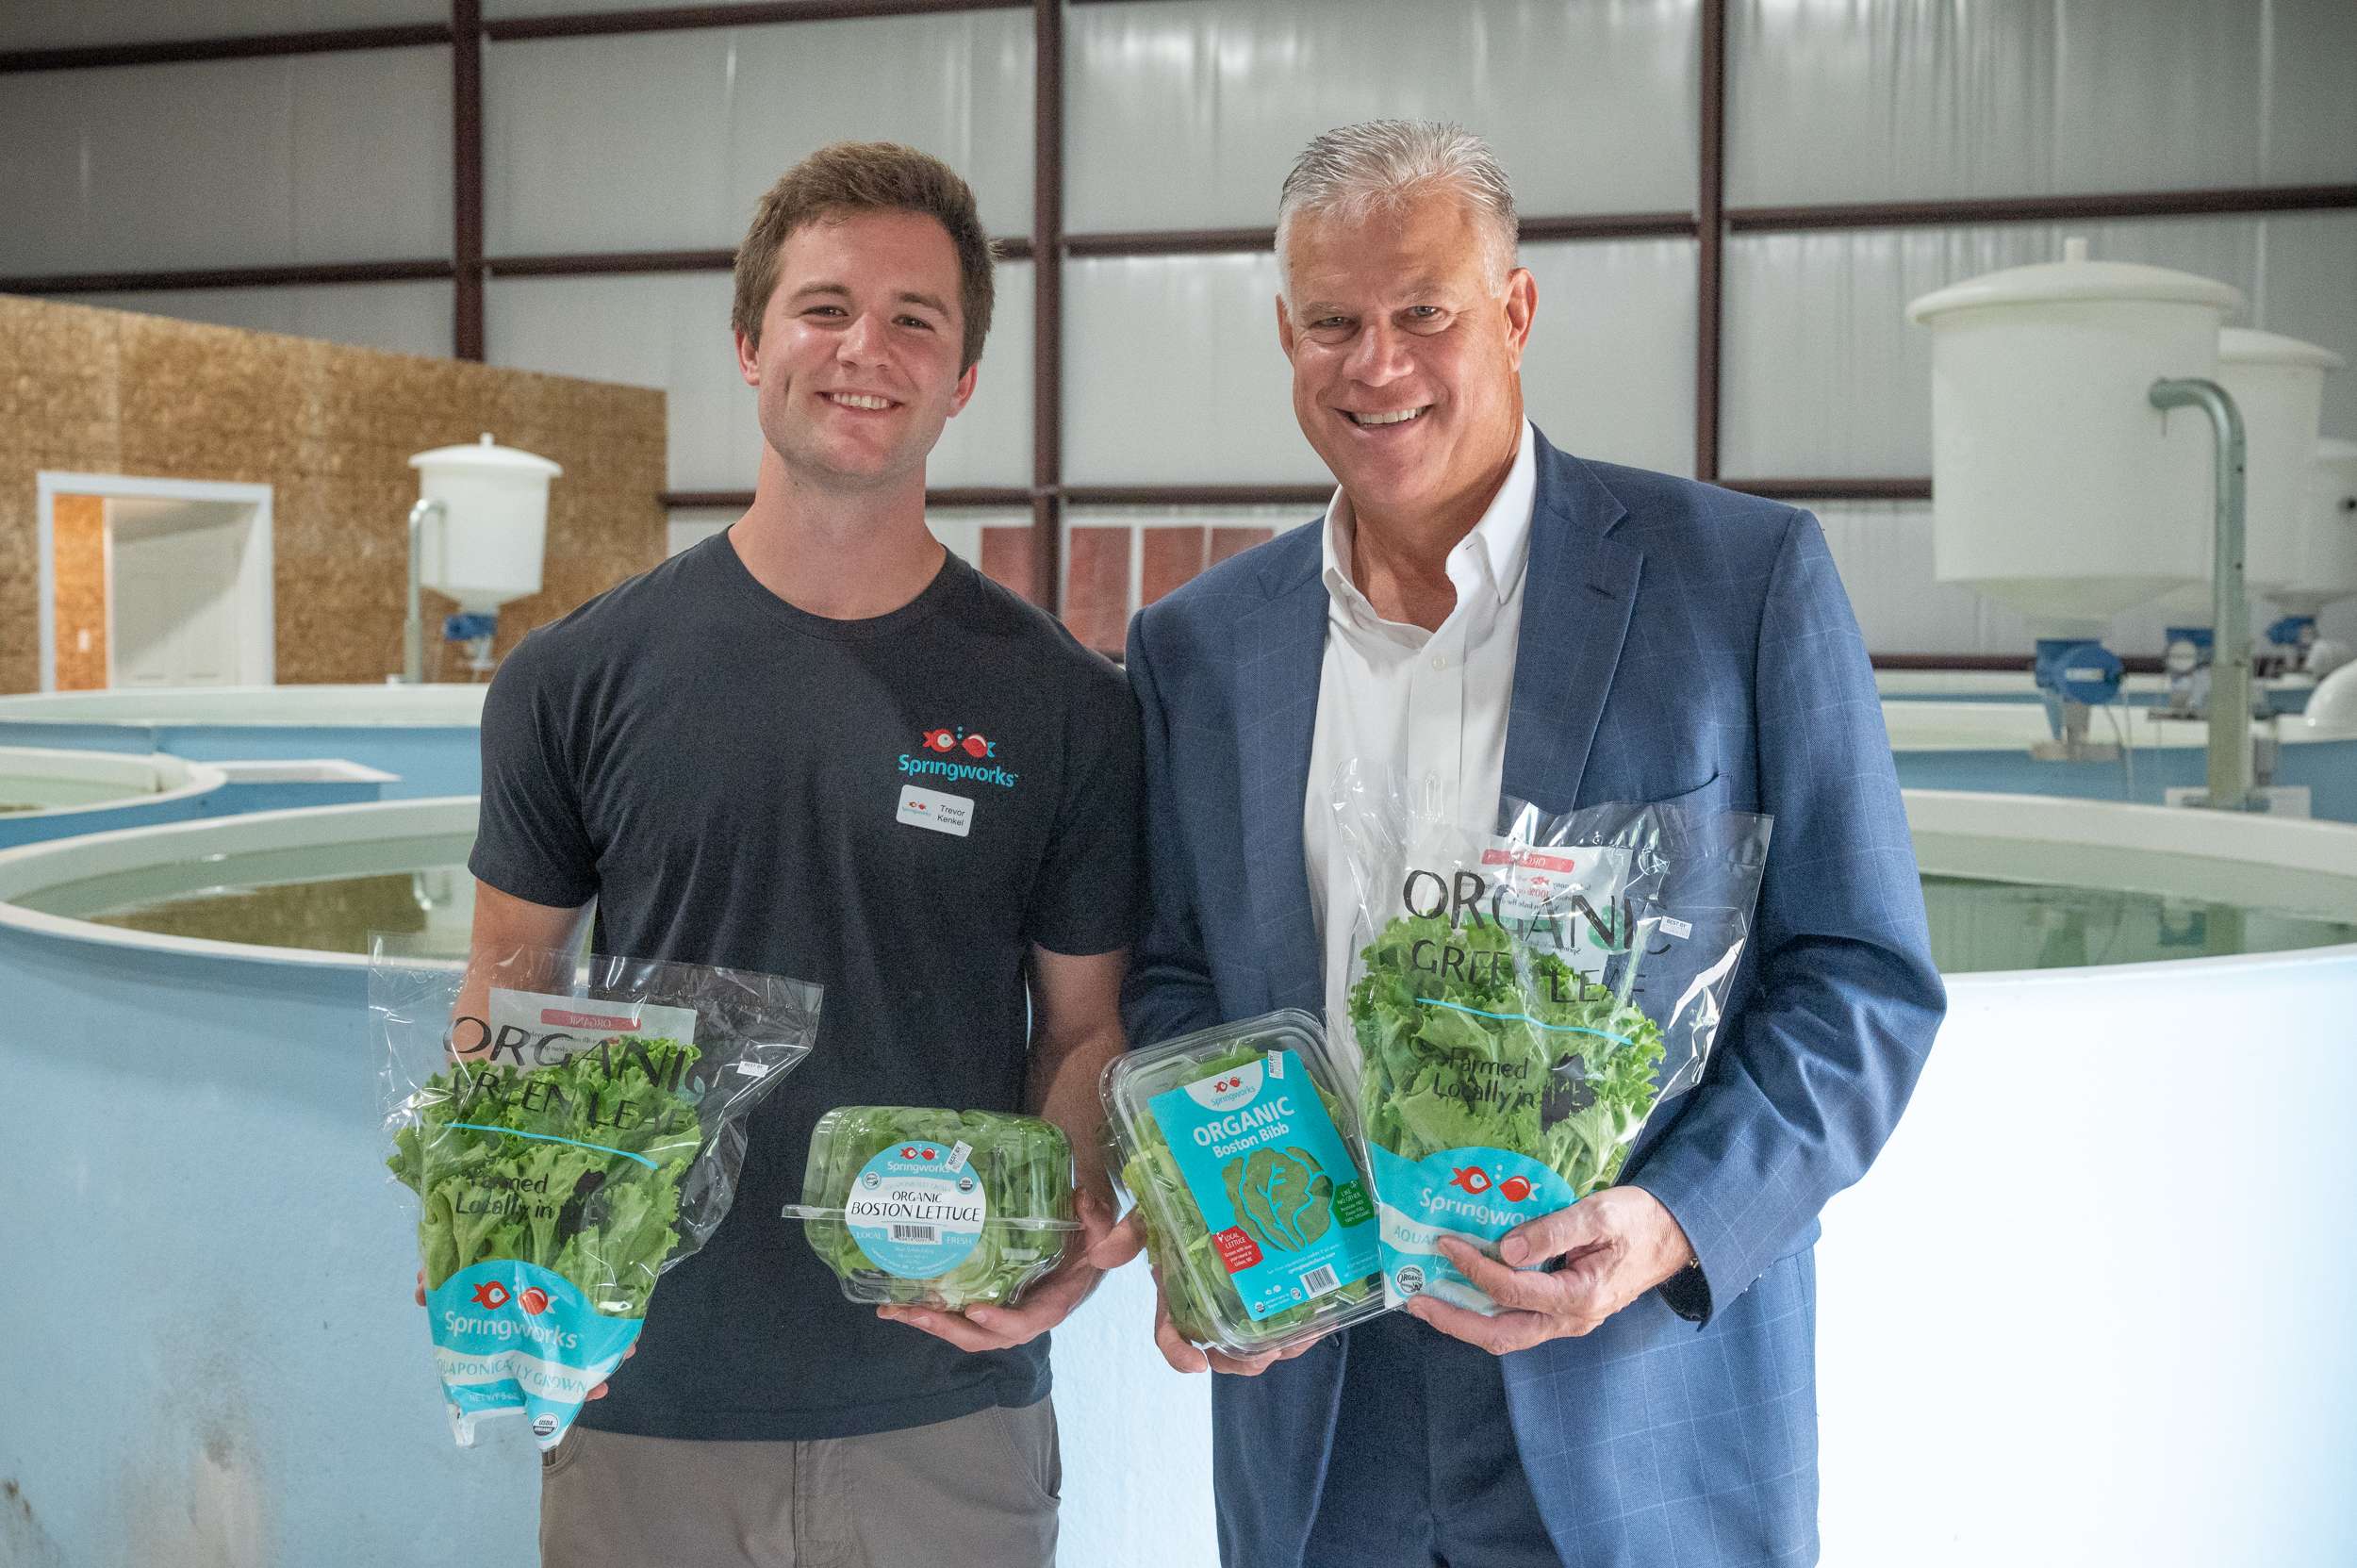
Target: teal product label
[(1288, 1214), (1475, 1195), (917, 1209), (511, 1338)]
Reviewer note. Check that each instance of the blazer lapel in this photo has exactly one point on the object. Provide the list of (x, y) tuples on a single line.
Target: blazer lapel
[(1281, 649), (1576, 599)]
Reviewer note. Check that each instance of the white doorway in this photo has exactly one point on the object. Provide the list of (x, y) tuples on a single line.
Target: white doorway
[(154, 583)]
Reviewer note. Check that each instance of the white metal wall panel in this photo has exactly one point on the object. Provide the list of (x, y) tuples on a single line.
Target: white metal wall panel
[(1187, 113), (402, 318), (227, 163), (666, 141), (671, 330), (1842, 101), (83, 24)]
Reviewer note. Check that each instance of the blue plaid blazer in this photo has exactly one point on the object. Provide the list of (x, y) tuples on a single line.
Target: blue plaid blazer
[(1677, 640)]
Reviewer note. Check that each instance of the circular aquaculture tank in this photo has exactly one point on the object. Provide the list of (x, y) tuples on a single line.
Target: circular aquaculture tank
[(50, 794), (2058, 1287), (1986, 746), (196, 1098), (428, 735)]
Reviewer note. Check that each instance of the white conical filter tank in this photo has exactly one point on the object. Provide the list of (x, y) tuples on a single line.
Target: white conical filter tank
[(2278, 384), (486, 546), (2057, 489)]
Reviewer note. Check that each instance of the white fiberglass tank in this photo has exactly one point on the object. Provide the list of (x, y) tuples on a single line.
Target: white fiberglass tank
[(2277, 382), (2324, 549), (485, 546), (2057, 489)]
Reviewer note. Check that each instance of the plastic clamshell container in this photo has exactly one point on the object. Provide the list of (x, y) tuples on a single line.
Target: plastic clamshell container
[(1278, 1205), (924, 1207)]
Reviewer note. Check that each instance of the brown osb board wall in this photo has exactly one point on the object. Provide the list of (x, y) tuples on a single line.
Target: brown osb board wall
[(330, 429), (79, 531)]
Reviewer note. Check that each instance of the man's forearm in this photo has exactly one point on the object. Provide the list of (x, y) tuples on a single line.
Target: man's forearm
[(1064, 1077)]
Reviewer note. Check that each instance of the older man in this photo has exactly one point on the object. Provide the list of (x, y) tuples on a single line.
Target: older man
[(1511, 620)]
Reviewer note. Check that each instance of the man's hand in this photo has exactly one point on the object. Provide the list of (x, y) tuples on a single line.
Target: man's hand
[(1616, 1245), (597, 1393), (1046, 1304), (1123, 1243)]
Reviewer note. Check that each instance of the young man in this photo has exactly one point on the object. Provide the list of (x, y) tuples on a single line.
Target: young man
[(726, 754), (1510, 619)]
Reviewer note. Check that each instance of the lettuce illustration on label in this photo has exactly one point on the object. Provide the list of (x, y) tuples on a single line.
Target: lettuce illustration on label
[(936, 1208), (1280, 1197)]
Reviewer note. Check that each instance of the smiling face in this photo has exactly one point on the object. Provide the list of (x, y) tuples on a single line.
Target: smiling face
[(1406, 352), (857, 368)]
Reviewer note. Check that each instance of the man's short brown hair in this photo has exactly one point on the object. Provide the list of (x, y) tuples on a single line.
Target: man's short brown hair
[(866, 176)]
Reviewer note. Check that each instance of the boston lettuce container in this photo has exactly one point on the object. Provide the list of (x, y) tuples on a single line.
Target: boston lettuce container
[(928, 1208), (1239, 1144)]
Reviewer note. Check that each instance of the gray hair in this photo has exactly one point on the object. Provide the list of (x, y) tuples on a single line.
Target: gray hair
[(1378, 165)]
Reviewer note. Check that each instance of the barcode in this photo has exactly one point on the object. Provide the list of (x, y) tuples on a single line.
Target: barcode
[(925, 1234), (1319, 1280)]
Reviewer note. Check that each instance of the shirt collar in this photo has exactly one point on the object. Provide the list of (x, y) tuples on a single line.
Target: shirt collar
[(1497, 550)]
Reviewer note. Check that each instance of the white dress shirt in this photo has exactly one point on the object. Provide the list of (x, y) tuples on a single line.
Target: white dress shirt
[(1431, 704)]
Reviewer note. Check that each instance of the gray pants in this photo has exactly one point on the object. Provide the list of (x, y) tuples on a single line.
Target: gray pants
[(979, 1490)]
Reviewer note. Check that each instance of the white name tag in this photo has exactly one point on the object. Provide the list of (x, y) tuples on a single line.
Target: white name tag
[(929, 808)]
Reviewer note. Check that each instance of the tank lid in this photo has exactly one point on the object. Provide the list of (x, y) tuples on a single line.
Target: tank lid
[(486, 455), (2074, 277), (2332, 448), (2240, 345)]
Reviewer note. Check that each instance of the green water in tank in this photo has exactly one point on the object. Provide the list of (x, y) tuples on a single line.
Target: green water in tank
[(333, 897)]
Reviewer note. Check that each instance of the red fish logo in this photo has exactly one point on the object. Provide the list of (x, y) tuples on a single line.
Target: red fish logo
[(909, 1153), (535, 1300), (977, 747), (490, 1295), (1471, 1177), (1514, 1189), (940, 740), (927, 1153)]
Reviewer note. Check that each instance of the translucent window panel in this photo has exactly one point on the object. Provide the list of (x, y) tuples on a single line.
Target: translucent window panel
[(402, 318), (1173, 373), (1824, 377), (2311, 132), (76, 24), (1187, 114), (1838, 101), (671, 330), (1609, 372), (227, 163), (1117, 559), (662, 142)]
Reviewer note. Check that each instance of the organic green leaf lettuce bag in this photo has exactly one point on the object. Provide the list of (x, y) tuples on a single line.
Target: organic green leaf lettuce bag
[(571, 1129), (1523, 1000)]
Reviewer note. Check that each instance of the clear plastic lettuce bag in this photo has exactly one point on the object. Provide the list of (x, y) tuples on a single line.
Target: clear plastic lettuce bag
[(1522, 1002), (572, 1128)]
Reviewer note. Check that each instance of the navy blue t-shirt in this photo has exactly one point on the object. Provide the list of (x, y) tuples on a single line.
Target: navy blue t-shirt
[(741, 783)]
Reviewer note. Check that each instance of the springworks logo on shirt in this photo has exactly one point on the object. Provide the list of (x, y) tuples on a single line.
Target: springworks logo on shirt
[(955, 755)]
